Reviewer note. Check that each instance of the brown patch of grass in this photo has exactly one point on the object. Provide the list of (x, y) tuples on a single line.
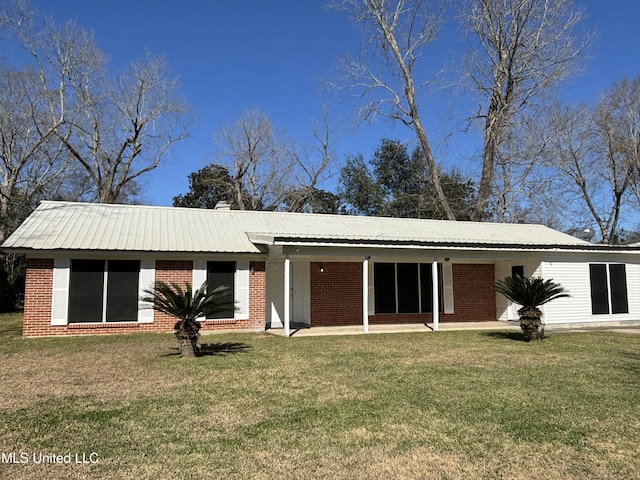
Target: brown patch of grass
[(447, 405)]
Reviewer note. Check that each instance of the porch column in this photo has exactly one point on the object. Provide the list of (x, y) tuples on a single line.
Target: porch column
[(287, 294), (365, 294), (435, 296)]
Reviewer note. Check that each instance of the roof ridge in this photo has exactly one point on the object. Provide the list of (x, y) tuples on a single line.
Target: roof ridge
[(274, 212)]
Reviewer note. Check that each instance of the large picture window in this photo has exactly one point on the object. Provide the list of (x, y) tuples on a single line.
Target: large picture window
[(608, 289), (405, 288), (103, 291), (221, 274)]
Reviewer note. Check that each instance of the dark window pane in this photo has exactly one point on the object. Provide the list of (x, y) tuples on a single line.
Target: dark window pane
[(85, 291), (384, 282), (618, 280), (426, 288), (218, 274), (599, 289), (122, 290), (408, 288), (517, 270)]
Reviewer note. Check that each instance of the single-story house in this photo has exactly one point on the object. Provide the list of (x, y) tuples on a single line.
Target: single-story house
[(88, 264)]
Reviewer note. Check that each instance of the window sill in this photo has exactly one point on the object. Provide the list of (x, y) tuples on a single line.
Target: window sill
[(71, 326), (218, 321)]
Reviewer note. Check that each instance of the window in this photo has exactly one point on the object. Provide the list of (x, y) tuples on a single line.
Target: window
[(608, 289), (221, 274), (405, 287), (90, 301), (517, 270)]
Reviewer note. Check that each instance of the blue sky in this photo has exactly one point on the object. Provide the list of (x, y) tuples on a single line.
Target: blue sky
[(234, 55)]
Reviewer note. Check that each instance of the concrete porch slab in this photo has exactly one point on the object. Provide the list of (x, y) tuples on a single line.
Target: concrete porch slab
[(396, 328)]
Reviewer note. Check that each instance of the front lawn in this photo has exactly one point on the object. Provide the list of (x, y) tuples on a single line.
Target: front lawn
[(255, 406)]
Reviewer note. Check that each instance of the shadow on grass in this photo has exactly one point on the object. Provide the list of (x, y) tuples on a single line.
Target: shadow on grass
[(226, 348), (206, 349), (517, 336)]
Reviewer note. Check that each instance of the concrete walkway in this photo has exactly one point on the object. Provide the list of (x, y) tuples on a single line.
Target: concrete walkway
[(626, 327)]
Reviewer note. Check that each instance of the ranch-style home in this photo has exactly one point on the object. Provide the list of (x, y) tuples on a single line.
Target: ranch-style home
[(88, 264)]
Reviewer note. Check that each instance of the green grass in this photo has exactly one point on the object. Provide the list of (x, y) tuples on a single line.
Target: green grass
[(421, 405)]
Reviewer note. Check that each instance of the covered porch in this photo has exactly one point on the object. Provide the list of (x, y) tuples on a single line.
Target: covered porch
[(385, 289)]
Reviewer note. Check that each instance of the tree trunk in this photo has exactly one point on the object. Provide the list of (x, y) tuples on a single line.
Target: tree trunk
[(530, 321), (187, 344)]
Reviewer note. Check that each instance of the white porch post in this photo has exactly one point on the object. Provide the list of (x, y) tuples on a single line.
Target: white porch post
[(365, 294), (287, 298), (435, 296)]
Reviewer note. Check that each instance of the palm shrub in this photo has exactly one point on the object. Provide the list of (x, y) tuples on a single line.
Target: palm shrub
[(187, 306), (530, 293)]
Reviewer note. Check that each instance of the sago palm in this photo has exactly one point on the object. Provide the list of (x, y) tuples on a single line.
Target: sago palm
[(187, 306), (530, 293)]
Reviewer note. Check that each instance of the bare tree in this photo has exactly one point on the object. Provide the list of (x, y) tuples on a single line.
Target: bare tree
[(256, 161), (311, 166), (519, 50), (118, 127), (398, 31), (30, 154), (598, 150), (272, 171)]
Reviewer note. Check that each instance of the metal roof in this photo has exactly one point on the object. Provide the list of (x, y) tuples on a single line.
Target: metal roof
[(101, 227)]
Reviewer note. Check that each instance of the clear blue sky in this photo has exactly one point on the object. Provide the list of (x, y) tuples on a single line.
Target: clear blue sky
[(233, 55)]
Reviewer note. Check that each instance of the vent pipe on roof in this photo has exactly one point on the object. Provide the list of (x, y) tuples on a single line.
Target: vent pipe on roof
[(222, 205)]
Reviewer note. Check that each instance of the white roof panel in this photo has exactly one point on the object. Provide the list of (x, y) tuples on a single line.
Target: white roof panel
[(101, 227)]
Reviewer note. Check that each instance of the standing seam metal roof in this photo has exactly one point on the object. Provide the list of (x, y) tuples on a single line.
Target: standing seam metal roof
[(101, 227)]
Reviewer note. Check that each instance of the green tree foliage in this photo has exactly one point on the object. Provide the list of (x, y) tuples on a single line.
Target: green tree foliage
[(207, 187), (187, 306), (360, 192), (396, 184), (530, 292), (311, 200)]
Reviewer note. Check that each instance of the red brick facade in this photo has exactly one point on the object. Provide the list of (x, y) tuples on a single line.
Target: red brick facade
[(473, 294), (39, 291), (335, 298), (336, 293)]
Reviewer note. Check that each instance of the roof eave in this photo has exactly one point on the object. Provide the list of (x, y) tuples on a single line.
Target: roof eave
[(407, 244)]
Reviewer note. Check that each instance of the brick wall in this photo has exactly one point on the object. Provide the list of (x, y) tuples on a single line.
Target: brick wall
[(167, 271), (336, 293), (473, 293), (39, 289)]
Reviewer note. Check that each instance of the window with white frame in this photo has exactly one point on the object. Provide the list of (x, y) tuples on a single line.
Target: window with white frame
[(103, 291), (608, 288), (230, 273), (221, 274)]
